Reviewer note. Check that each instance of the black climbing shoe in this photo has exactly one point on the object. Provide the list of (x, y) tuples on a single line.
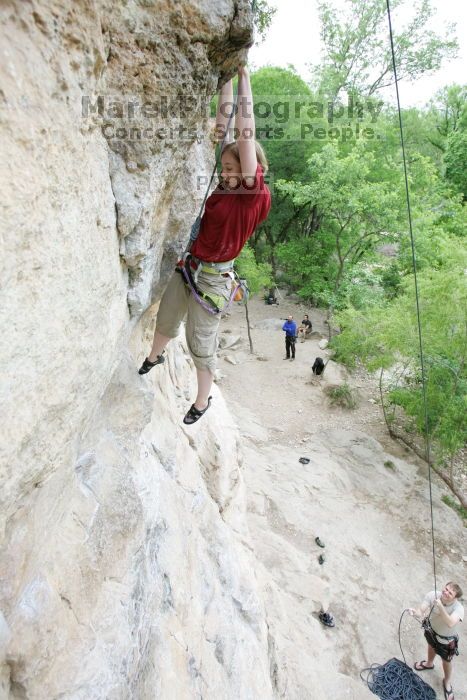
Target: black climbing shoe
[(327, 619), (147, 365), (319, 542), (304, 460), (195, 414), (321, 559)]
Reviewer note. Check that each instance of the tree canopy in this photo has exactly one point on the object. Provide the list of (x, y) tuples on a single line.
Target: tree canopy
[(338, 233)]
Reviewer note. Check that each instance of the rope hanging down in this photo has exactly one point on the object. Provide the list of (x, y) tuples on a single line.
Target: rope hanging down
[(394, 680), (417, 298)]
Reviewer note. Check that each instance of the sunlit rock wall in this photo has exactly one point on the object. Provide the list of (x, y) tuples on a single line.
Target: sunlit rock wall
[(122, 568)]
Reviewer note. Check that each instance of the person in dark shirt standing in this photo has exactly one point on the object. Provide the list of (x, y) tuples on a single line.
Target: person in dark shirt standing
[(290, 328)]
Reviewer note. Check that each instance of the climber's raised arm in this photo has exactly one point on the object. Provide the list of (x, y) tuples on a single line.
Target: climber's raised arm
[(245, 127), (225, 106)]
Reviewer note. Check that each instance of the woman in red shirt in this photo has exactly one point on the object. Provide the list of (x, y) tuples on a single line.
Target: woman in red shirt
[(232, 212)]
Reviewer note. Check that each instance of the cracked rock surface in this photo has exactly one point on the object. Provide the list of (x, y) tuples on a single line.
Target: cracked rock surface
[(123, 568)]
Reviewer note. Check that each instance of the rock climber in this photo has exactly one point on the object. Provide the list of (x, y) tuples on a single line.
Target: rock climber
[(290, 328), (441, 615), (232, 212)]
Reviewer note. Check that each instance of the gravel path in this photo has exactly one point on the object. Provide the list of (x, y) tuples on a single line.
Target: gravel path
[(365, 495)]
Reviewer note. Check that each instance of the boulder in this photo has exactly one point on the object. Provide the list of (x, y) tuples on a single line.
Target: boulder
[(231, 341)]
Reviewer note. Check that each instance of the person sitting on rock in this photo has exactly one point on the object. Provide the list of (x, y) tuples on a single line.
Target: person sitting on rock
[(305, 329), (232, 212), (441, 614), (271, 297)]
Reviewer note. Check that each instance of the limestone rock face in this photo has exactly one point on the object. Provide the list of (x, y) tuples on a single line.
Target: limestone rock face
[(123, 568), (136, 584)]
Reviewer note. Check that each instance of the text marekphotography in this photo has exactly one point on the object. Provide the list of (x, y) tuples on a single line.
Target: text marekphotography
[(181, 118)]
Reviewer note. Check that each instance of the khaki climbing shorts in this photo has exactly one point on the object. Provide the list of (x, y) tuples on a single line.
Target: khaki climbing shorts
[(201, 326)]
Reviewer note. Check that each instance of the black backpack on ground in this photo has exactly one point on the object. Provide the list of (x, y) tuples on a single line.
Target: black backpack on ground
[(318, 366)]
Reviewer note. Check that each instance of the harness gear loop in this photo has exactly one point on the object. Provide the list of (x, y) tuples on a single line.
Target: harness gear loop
[(190, 268)]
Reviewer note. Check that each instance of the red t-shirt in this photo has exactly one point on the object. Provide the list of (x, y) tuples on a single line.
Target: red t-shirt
[(230, 218)]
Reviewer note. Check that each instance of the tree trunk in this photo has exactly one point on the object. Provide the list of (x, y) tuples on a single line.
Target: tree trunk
[(328, 321), (381, 396), (248, 327)]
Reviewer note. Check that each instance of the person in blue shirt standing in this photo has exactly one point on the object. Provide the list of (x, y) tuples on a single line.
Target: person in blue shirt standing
[(290, 328)]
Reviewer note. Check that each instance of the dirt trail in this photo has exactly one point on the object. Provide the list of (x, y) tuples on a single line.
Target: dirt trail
[(373, 516)]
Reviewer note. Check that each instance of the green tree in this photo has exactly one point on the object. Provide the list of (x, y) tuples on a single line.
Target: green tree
[(277, 91), (355, 214), (278, 128), (447, 114), (455, 160), (263, 15), (357, 55), (258, 275), (386, 337)]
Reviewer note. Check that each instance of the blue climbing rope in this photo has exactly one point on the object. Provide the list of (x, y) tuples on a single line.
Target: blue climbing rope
[(394, 680)]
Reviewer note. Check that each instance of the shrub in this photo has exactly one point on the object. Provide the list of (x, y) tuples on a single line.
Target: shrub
[(342, 396)]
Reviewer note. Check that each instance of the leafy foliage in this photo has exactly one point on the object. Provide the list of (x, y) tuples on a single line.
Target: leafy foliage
[(455, 159), (358, 56), (258, 275), (263, 15), (338, 233), (342, 396), (388, 335), (355, 213)]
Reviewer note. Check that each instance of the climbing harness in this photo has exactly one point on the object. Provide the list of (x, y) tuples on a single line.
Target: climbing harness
[(447, 649), (190, 268), (395, 680)]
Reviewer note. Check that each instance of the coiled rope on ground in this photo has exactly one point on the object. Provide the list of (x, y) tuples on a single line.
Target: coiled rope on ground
[(394, 680)]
